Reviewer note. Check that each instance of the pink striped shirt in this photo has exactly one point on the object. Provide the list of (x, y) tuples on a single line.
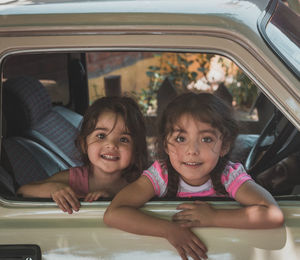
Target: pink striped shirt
[(233, 176)]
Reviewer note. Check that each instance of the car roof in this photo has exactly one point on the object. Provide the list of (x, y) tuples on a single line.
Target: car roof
[(219, 13), (153, 6)]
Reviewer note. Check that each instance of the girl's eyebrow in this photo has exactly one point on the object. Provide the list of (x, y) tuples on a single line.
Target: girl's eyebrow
[(104, 129), (101, 128), (179, 130), (108, 130), (211, 131)]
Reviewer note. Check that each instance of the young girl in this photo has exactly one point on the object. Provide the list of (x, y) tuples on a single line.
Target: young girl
[(113, 149), (196, 134)]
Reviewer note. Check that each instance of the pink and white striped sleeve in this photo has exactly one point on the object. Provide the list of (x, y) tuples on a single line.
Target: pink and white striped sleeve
[(233, 177), (158, 175)]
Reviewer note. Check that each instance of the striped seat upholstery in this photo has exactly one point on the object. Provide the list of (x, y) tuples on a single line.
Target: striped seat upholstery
[(29, 161), (29, 113)]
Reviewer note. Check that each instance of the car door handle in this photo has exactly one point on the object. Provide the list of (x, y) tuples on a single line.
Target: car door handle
[(20, 252)]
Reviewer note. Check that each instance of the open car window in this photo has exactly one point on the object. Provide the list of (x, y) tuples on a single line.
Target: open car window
[(62, 85)]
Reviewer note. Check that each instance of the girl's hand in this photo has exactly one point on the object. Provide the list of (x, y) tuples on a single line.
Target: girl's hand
[(186, 242), (65, 198), (96, 195), (198, 214)]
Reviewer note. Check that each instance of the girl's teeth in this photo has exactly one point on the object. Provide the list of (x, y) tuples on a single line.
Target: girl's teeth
[(109, 157), (192, 164)]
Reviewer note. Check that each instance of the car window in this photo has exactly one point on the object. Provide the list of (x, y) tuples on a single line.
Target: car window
[(279, 27), (152, 79)]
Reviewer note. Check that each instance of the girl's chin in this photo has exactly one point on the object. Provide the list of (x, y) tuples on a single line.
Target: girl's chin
[(196, 182)]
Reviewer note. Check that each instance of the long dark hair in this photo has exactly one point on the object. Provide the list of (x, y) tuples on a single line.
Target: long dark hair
[(128, 109), (207, 108)]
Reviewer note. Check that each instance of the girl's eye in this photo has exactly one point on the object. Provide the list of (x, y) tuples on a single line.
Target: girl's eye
[(179, 139), (206, 139), (100, 136), (124, 140)]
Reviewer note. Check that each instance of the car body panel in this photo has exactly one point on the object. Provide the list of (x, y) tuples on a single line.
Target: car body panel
[(83, 235), (228, 28)]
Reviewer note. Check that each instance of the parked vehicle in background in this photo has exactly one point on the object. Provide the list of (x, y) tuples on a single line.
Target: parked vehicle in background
[(58, 56)]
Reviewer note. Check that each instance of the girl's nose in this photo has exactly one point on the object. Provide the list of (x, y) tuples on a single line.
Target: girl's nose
[(193, 148), (111, 144)]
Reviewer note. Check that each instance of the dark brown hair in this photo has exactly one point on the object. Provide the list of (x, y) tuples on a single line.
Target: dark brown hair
[(128, 109), (204, 107)]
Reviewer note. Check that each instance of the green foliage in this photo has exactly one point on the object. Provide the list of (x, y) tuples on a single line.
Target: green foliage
[(185, 68), (176, 67), (243, 90)]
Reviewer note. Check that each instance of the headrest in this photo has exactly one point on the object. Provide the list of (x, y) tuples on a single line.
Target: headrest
[(25, 103)]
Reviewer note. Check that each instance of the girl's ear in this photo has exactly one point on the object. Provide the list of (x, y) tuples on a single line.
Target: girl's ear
[(83, 146), (225, 149)]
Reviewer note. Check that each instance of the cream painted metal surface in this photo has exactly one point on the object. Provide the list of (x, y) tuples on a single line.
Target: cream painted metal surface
[(83, 235), (225, 27)]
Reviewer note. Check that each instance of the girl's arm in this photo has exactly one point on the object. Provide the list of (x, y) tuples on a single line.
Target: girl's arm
[(55, 187), (260, 211), (44, 188), (123, 213)]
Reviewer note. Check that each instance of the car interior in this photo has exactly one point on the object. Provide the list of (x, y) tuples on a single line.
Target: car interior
[(41, 115), (34, 124)]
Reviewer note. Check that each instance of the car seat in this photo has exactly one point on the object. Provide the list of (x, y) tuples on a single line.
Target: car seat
[(7, 186), (29, 113), (28, 161)]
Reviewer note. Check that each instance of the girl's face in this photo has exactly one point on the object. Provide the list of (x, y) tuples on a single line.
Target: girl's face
[(194, 149), (110, 145)]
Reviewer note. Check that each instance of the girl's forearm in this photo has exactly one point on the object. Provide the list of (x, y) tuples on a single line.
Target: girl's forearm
[(38, 190), (250, 217)]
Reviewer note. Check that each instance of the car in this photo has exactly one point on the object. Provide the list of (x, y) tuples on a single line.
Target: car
[(57, 57)]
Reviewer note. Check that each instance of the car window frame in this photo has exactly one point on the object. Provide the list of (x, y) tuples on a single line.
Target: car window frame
[(229, 53), (262, 24)]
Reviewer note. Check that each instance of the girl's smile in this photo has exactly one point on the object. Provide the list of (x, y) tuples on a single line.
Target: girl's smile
[(110, 157), (194, 148), (192, 164)]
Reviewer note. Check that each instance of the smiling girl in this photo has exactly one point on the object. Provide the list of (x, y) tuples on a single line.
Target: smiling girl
[(196, 134), (113, 148)]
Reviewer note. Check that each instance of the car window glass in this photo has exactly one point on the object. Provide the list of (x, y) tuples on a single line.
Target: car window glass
[(280, 28)]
